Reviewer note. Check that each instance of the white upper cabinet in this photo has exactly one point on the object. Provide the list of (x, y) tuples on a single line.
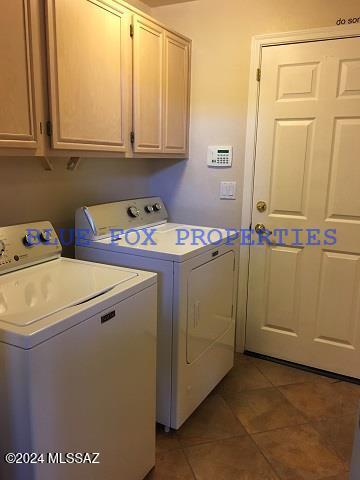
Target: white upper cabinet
[(88, 43), (148, 85), (161, 89), (18, 123), (176, 94), (80, 77)]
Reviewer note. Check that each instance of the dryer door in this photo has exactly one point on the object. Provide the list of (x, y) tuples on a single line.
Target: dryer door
[(210, 306)]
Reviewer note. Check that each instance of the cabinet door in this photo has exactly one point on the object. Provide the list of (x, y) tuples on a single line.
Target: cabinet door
[(17, 80), (148, 85), (88, 43), (176, 94)]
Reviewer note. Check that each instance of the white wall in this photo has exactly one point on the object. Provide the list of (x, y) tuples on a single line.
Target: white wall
[(29, 193), (221, 33), (140, 5)]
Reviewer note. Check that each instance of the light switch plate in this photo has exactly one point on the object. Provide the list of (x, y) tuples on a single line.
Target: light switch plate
[(228, 190)]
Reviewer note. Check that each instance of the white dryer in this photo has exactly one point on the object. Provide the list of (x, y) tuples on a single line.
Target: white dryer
[(77, 362), (197, 293)]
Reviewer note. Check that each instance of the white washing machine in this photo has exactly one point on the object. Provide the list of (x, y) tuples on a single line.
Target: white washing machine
[(197, 293), (77, 362)]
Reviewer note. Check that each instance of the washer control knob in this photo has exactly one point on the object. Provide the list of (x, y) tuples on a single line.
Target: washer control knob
[(149, 209), (46, 236), (133, 211), (29, 240), (157, 207), (2, 248)]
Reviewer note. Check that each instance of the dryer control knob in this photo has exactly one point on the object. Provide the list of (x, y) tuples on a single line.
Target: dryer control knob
[(133, 211), (149, 209), (157, 206), (29, 240), (45, 236)]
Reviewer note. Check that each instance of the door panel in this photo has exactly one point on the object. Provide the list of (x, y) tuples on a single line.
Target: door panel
[(298, 81), (338, 306), (210, 307), (148, 85), (289, 187), (87, 48), (17, 82), (176, 103), (345, 170), (282, 296), (349, 79), (303, 302)]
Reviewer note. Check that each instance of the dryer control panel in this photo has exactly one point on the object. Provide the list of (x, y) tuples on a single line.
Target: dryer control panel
[(27, 244), (99, 221)]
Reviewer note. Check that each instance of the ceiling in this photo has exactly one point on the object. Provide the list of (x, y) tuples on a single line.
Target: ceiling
[(158, 3)]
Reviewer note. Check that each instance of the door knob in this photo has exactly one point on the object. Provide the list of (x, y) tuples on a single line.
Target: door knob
[(260, 229), (261, 206)]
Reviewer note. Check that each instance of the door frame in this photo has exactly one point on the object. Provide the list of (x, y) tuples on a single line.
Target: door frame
[(257, 44)]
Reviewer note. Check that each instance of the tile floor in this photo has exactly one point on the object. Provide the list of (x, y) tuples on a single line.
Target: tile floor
[(264, 421)]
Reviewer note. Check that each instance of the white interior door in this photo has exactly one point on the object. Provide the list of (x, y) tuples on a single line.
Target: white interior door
[(304, 300)]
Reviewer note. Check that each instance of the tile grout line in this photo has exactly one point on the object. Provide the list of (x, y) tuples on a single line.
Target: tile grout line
[(271, 429), (322, 417), (229, 438), (209, 442), (346, 470), (326, 445), (309, 421), (235, 417), (249, 435), (266, 460), (189, 463)]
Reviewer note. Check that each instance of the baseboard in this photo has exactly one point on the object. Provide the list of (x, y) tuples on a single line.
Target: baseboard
[(318, 371)]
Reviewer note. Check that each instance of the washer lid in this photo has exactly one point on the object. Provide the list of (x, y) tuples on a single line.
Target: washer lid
[(29, 295)]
